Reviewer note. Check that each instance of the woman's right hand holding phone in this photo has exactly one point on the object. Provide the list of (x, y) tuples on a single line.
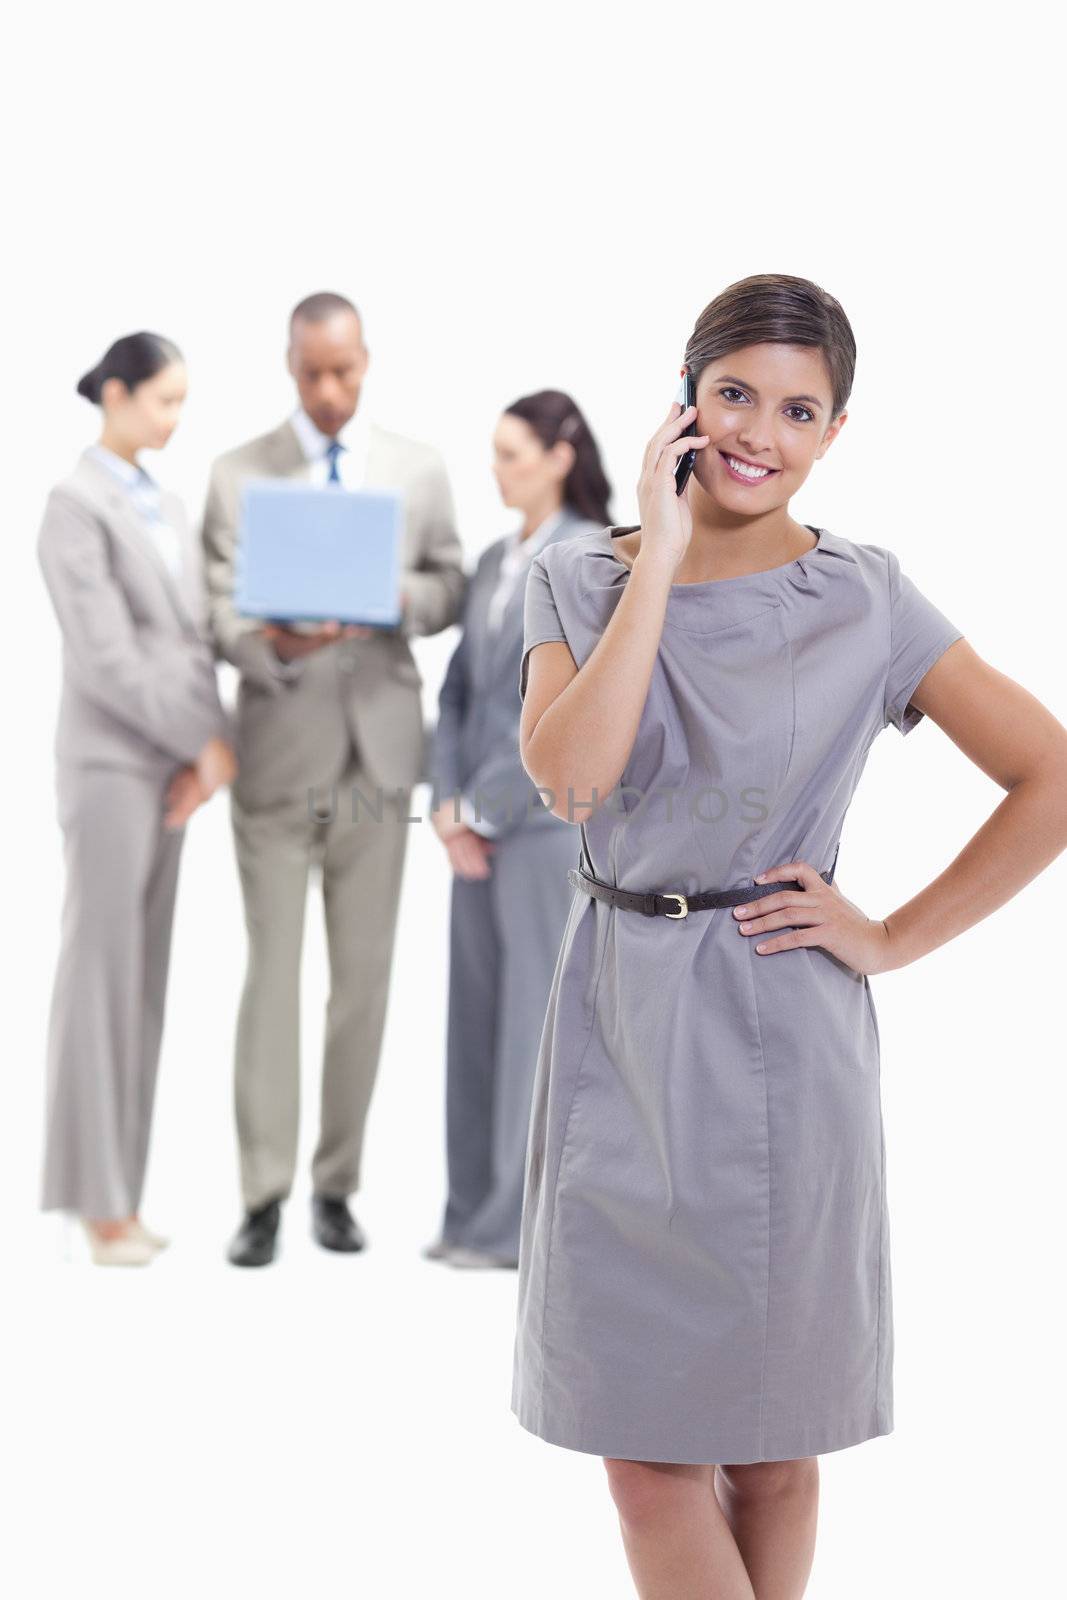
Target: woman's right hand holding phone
[(579, 723), (666, 520)]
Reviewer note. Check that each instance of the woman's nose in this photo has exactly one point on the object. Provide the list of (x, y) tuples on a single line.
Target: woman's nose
[(756, 434)]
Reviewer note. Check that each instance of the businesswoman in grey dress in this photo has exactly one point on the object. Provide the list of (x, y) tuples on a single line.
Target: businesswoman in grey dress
[(142, 740), (509, 854), (705, 1289)]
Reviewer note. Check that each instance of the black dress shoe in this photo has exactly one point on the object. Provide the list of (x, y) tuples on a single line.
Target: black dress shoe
[(334, 1225), (254, 1243)]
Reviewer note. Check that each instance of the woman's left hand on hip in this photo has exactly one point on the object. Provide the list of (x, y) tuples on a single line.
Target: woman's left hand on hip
[(815, 914)]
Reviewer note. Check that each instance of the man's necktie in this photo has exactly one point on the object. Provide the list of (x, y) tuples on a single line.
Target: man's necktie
[(333, 450)]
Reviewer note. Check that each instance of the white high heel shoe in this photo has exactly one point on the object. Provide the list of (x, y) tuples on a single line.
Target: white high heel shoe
[(156, 1240), (459, 1255), (127, 1250)]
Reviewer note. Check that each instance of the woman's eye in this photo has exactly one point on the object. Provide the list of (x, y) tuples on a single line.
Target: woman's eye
[(730, 390)]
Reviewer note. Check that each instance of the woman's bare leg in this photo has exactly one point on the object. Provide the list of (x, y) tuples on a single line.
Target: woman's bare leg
[(772, 1507), (677, 1540)]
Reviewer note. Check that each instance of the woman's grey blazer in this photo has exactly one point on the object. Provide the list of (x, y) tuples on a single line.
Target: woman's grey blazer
[(139, 687), (475, 745)]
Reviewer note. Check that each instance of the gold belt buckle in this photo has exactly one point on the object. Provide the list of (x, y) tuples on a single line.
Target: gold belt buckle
[(682, 901)]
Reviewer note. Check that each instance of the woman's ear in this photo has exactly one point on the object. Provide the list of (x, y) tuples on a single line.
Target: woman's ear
[(112, 392), (831, 434), (565, 455)]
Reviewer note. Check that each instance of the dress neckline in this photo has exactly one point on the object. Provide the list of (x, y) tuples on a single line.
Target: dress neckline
[(616, 531)]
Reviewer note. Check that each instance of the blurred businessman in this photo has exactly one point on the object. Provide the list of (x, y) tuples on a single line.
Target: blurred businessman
[(322, 711)]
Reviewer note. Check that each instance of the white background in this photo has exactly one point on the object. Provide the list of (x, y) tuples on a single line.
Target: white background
[(518, 197)]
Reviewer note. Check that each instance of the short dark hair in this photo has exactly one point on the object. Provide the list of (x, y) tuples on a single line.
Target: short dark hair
[(773, 308), (317, 307), (133, 358)]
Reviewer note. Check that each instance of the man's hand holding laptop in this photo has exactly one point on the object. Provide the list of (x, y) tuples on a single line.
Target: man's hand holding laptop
[(289, 644)]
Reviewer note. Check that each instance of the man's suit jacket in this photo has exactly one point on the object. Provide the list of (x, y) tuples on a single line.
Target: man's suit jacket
[(139, 686), (475, 749), (297, 723)]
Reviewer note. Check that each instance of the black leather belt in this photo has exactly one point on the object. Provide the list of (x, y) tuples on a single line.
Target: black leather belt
[(664, 904)]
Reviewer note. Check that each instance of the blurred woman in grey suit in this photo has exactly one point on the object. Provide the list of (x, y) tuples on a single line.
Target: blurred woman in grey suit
[(142, 740), (508, 853)]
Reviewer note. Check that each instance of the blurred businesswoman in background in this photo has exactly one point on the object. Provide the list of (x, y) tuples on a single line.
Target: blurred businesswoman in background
[(142, 740), (509, 854)]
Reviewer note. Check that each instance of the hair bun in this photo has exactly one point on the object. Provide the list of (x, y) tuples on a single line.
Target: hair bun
[(89, 384)]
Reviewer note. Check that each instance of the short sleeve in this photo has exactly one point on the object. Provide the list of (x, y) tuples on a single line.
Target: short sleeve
[(919, 635), (541, 623)]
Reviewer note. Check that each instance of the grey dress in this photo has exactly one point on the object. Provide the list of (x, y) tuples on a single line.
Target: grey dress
[(704, 1268)]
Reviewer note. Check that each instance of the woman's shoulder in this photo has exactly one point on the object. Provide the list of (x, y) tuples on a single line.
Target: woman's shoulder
[(581, 548), (866, 554), (878, 565), (869, 579), (857, 576), (70, 497), (75, 524), (86, 484)]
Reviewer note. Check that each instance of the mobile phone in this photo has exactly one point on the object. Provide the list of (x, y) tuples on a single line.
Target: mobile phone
[(686, 396)]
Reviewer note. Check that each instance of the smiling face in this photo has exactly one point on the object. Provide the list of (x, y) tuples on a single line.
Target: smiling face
[(144, 417), (328, 360), (768, 407)]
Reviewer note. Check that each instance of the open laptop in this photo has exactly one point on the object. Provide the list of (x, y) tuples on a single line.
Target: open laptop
[(310, 554)]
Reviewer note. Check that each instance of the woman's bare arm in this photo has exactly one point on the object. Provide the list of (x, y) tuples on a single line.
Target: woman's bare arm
[(1018, 743), (578, 727), (1021, 745)]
